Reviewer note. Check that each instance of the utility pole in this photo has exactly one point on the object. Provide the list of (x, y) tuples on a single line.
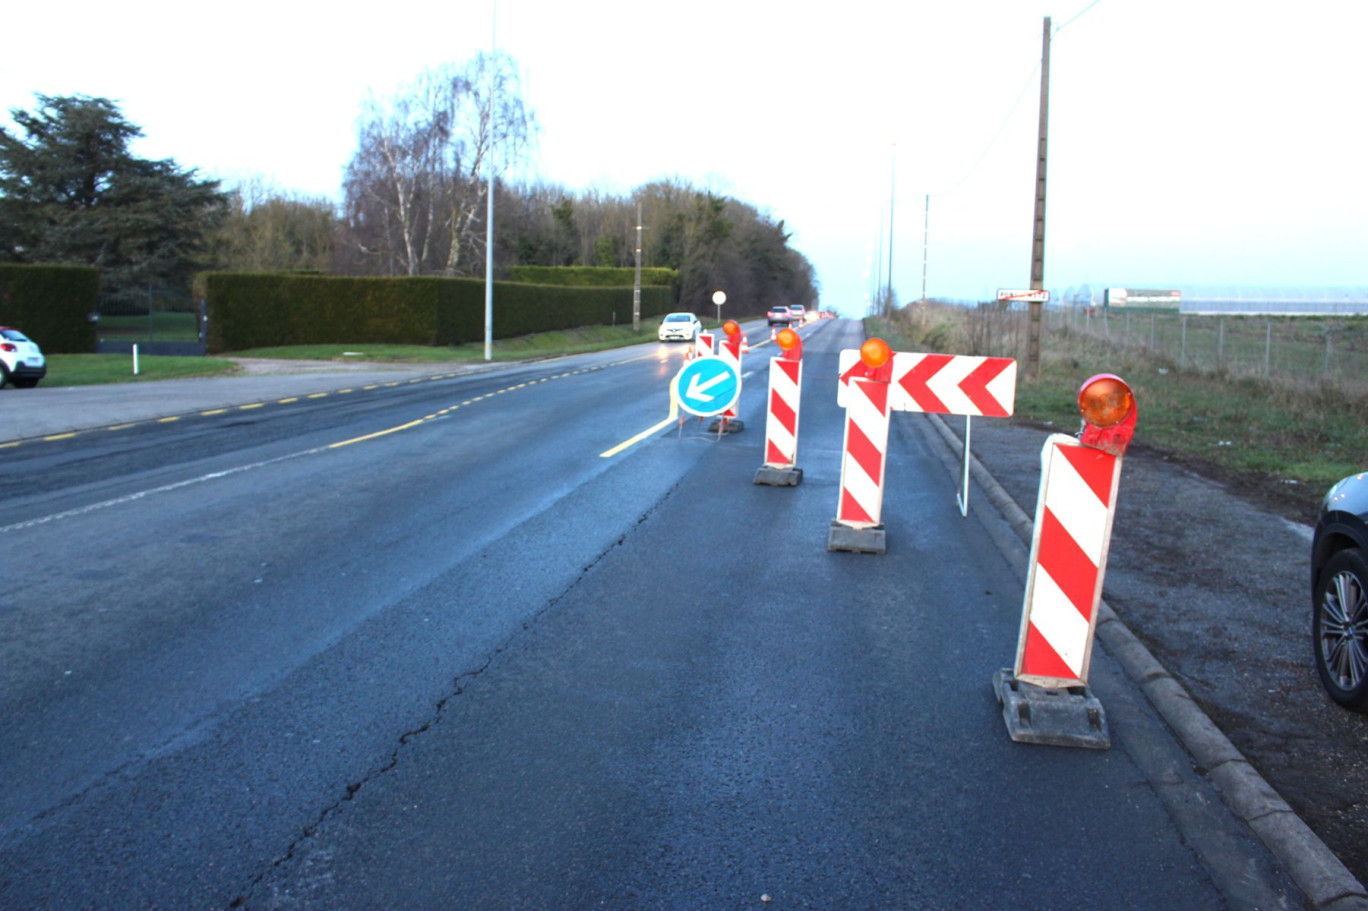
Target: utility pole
[(892, 173), (1038, 242), (636, 286), (926, 240), (489, 214)]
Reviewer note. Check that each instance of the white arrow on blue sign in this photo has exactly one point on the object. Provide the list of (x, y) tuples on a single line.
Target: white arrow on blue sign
[(707, 386)]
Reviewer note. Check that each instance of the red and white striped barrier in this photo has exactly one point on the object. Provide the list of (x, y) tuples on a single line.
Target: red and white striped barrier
[(780, 467), (1045, 698), (927, 383), (1074, 515), (702, 346), (730, 349), (865, 449), (781, 427)]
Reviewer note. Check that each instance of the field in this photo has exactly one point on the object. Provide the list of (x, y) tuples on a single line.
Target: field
[(1283, 438)]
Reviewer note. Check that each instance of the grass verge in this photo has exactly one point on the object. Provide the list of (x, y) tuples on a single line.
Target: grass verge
[(1289, 440), (91, 369), (95, 369)]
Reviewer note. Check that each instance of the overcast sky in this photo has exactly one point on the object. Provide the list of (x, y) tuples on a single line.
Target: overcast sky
[(1191, 141)]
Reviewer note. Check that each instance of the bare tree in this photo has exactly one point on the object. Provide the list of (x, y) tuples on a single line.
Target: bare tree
[(418, 182)]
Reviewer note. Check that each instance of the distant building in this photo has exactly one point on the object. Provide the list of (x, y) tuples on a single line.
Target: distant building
[(1142, 298)]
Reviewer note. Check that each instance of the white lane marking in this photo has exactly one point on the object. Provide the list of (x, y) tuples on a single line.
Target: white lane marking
[(166, 488)]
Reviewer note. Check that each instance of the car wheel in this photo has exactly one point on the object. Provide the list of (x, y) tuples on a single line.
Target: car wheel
[(4, 376), (1339, 628)]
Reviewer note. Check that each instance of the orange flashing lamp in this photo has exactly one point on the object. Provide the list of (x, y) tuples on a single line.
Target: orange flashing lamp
[(1108, 408)]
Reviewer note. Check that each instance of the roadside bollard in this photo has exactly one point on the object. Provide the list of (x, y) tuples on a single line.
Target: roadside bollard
[(1045, 697), (780, 468), (857, 527)]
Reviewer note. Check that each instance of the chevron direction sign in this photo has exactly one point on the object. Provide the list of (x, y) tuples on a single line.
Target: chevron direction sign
[(942, 383)]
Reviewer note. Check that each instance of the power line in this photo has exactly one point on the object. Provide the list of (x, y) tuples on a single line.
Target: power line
[(1020, 95), (996, 136), (1077, 16)]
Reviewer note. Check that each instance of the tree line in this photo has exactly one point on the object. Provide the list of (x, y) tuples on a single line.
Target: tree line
[(414, 202)]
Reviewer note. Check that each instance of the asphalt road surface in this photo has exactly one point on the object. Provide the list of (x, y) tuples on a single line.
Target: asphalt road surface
[(426, 646)]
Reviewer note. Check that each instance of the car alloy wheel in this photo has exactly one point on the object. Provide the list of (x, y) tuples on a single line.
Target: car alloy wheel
[(1340, 628)]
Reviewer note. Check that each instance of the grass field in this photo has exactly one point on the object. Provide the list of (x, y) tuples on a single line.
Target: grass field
[(1299, 435)]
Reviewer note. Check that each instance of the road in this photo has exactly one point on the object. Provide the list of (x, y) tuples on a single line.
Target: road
[(425, 646)]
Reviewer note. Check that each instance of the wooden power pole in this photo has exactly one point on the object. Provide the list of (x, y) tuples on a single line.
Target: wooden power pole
[(1038, 242)]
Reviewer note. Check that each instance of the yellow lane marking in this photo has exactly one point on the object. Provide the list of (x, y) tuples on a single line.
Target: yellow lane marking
[(121, 426), (649, 431), (319, 395), (170, 420), (59, 436), (206, 414), (378, 433), (287, 401), (250, 407)]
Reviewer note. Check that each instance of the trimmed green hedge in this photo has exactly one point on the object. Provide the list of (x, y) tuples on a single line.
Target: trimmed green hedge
[(590, 276), (254, 310), (49, 304)]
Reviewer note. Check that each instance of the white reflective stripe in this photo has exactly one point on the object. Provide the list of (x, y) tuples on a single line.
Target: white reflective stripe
[(1003, 388), (945, 385), (1076, 507), (1058, 621)]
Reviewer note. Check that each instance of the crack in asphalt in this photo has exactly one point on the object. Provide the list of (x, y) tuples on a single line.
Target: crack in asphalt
[(459, 683)]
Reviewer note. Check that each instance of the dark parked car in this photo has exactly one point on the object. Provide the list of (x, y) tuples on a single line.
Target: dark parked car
[(1339, 592)]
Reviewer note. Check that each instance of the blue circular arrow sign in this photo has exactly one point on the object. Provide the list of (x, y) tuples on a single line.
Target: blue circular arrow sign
[(707, 386)]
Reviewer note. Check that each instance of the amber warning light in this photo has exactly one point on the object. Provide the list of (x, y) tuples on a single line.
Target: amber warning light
[(875, 353), (1108, 408)]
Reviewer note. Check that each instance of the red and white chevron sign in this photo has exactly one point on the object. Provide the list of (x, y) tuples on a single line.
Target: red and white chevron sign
[(781, 427), (943, 383), (1068, 560)]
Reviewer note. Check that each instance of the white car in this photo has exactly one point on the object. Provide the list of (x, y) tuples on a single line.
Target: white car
[(679, 327), (799, 314), (21, 360)]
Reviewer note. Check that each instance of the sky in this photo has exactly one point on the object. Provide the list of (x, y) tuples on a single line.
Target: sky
[(1191, 142)]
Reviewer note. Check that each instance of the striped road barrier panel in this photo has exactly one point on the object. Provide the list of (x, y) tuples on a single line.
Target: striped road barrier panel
[(1045, 697), (780, 468)]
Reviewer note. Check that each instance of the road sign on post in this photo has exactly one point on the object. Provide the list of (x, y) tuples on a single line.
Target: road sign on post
[(707, 386), (1030, 297)]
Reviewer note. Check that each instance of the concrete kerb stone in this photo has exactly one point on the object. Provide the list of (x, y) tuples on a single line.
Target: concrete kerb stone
[(1321, 876)]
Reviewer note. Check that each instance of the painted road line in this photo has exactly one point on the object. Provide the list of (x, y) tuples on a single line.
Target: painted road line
[(166, 488), (203, 414), (377, 434), (627, 444), (288, 401)]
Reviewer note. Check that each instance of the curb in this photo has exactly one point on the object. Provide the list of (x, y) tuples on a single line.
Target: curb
[(1324, 879)]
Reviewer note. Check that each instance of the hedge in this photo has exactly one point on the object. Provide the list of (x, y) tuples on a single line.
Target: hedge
[(50, 305), (590, 276), (254, 310)]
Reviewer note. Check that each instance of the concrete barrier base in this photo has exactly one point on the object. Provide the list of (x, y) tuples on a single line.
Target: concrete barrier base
[(1069, 717), (779, 477), (856, 540)]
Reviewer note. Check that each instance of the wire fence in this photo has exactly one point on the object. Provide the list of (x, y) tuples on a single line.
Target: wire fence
[(1302, 347)]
